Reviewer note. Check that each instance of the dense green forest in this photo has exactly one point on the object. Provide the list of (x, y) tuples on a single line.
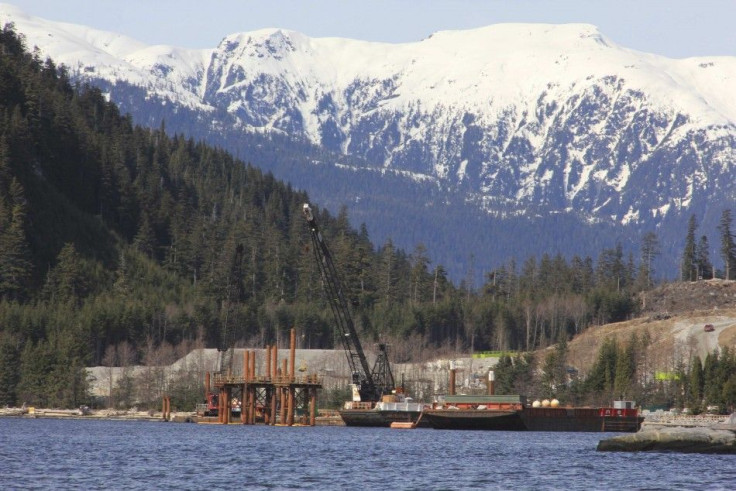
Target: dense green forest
[(116, 238)]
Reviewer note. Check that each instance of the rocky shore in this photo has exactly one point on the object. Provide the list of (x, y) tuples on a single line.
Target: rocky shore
[(325, 418), (719, 438), (92, 414)]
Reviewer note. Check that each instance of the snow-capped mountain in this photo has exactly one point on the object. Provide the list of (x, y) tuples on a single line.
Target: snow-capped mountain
[(513, 119)]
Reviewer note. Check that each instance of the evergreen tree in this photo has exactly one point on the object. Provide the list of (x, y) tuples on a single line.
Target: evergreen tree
[(440, 284), (603, 373), (145, 240), (702, 259), (625, 371), (688, 266), (528, 280), (9, 363), (583, 275), (712, 384), (67, 280), (729, 394), (420, 279), (611, 271), (388, 274), (649, 250), (504, 375), (696, 385), (36, 363), (728, 246), (554, 370), (15, 264)]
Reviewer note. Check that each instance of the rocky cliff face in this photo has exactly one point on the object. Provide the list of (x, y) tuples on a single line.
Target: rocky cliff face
[(518, 119)]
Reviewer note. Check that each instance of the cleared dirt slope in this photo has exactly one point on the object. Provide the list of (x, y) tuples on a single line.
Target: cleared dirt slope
[(674, 316)]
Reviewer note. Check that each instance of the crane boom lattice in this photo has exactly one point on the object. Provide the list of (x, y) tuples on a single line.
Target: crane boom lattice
[(369, 387)]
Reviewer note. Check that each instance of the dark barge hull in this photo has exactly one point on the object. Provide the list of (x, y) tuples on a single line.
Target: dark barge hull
[(375, 418), (578, 419), (473, 419), (532, 419)]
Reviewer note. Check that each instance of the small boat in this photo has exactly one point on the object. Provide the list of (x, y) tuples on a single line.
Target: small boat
[(402, 425)]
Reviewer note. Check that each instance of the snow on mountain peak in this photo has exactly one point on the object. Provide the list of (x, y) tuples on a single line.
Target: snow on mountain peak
[(525, 36), (502, 65), (262, 43), (527, 113)]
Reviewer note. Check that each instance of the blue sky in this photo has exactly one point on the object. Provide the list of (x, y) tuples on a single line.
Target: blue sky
[(674, 28)]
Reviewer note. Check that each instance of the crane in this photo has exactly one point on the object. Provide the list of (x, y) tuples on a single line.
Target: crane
[(368, 385)]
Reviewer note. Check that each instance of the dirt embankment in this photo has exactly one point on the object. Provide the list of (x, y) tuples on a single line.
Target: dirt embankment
[(674, 317), (686, 297)]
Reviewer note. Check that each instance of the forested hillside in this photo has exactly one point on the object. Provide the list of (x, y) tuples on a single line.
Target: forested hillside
[(121, 241)]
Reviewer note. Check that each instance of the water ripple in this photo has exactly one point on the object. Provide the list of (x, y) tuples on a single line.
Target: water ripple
[(79, 454)]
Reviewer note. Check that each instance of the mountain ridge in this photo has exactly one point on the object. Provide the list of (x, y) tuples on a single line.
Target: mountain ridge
[(582, 40), (509, 120)]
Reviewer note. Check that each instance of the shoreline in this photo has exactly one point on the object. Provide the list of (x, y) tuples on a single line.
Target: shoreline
[(130, 415), (97, 414), (693, 434)]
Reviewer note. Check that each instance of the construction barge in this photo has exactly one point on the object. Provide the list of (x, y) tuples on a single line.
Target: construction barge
[(390, 410), (512, 413)]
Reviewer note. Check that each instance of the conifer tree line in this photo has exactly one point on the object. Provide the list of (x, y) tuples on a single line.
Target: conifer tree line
[(621, 371), (696, 262), (122, 245)]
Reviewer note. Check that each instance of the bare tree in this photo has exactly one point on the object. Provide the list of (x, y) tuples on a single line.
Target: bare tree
[(110, 361), (124, 387)]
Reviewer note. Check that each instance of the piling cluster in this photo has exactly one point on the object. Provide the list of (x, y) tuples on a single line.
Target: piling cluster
[(270, 398)]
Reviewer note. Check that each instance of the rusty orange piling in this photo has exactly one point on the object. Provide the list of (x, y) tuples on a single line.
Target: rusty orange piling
[(269, 397), (248, 390), (245, 406), (252, 399), (284, 393), (221, 406), (274, 391), (166, 408), (227, 404), (491, 383), (292, 359), (313, 407)]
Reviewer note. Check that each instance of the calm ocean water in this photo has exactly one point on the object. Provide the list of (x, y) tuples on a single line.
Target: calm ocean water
[(79, 454)]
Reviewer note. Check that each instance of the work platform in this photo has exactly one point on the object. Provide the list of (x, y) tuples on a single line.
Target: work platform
[(271, 398)]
